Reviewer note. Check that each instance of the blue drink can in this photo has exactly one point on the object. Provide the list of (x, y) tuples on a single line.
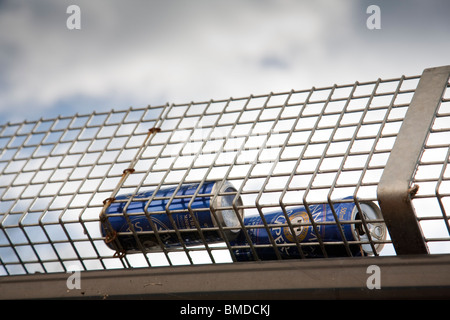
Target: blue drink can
[(302, 229), (172, 216)]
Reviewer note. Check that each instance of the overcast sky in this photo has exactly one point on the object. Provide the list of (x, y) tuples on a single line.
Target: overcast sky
[(136, 52)]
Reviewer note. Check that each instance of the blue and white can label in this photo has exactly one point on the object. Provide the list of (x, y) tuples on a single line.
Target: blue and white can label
[(301, 231), (172, 217)]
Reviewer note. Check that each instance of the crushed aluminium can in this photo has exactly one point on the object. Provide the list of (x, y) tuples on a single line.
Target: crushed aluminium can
[(329, 232), (150, 220)]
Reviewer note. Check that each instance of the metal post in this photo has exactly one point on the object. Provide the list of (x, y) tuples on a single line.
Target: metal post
[(394, 190)]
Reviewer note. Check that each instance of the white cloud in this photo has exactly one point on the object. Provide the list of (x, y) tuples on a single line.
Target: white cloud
[(143, 51), (139, 53)]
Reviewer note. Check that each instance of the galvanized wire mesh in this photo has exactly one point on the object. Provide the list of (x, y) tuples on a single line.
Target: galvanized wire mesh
[(279, 151), (432, 201)]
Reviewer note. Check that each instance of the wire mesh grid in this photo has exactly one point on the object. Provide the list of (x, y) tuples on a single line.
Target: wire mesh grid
[(317, 149), (432, 200)]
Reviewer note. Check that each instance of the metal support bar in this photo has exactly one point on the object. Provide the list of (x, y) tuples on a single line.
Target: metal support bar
[(394, 190), (424, 277)]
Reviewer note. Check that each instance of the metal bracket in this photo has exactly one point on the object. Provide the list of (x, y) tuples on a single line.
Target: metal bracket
[(394, 190)]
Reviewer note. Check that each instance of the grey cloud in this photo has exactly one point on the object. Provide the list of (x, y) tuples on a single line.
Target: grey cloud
[(151, 52)]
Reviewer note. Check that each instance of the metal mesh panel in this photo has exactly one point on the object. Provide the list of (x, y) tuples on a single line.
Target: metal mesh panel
[(432, 201), (279, 151)]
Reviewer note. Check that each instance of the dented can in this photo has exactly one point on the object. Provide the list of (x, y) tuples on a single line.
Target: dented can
[(302, 230), (172, 217)]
